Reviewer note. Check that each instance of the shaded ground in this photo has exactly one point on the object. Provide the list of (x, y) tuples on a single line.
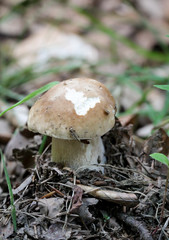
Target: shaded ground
[(51, 204)]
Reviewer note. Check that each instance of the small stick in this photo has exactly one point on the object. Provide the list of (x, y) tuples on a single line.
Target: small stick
[(138, 225), (57, 191), (69, 207), (48, 195)]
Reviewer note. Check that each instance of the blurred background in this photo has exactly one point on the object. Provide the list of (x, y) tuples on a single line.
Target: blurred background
[(123, 44)]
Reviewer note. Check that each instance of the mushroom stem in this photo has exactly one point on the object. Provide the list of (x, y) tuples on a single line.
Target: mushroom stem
[(75, 154)]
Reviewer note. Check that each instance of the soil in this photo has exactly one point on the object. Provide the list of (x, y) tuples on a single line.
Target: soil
[(51, 203)]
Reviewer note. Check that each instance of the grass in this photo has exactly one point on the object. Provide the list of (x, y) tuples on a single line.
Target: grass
[(13, 210), (132, 76), (30, 96), (27, 74), (149, 55), (5, 92), (41, 148)]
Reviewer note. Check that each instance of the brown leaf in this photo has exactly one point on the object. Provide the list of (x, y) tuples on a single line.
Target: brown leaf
[(84, 212), (22, 147), (51, 207), (158, 142), (77, 198), (5, 131), (126, 199), (5, 229), (56, 232)]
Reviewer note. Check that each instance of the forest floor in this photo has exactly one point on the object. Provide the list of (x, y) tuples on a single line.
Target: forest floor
[(124, 45)]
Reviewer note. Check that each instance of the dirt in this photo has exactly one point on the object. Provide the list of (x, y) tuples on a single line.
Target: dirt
[(51, 204)]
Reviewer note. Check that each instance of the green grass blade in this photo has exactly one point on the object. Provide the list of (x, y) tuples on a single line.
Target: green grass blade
[(152, 55), (5, 92), (32, 72), (161, 158), (163, 87), (42, 144), (13, 211), (31, 95), (21, 76)]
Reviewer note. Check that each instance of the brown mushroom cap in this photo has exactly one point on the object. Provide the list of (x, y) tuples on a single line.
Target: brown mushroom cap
[(79, 107)]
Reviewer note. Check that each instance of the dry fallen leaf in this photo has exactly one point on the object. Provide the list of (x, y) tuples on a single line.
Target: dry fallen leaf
[(145, 131), (5, 131), (51, 207), (56, 231), (23, 146), (126, 199), (5, 229), (158, 142), (77, 198), (50, 43), (84, 212), (17, 116)]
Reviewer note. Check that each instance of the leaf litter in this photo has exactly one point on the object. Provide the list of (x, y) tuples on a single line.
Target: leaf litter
[(62, 204)]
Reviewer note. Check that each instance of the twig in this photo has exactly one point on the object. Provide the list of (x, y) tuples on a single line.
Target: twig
[(148, 173), (124, 169), (23, 185), (57, 191), (69, 207), (139, 226), (50, 194), (35, 231), (45, 150), (163, 229)]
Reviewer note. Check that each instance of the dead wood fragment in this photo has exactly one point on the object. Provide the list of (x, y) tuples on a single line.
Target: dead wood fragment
[(58, 192), (163, 228), (126, 199), (48, 195), (23, 185), (138, 225)]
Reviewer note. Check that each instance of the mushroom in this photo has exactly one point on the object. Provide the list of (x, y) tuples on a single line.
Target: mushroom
[(75, 113)]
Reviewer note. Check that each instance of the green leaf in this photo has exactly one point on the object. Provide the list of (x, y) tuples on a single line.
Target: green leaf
[(31, 95), (13, 211), (161, 158), (163, 87)]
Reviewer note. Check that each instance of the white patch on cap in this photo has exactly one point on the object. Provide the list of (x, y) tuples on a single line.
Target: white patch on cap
[(81, 103)]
